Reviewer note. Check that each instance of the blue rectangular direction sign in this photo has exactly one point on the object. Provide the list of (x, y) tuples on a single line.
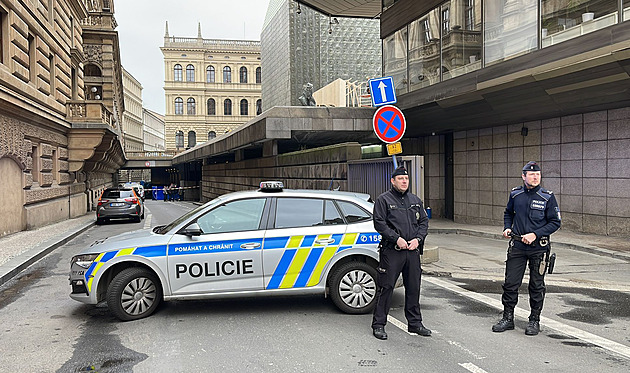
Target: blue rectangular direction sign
[(382, 90)]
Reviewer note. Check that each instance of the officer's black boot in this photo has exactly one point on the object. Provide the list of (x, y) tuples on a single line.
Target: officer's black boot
[(379, 332), (533, 326), (506, 323)]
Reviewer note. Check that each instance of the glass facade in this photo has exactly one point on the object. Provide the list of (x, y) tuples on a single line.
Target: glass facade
[(460, 36)]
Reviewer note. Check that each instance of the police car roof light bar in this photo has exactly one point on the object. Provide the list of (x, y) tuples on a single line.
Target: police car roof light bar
[(271, 186)]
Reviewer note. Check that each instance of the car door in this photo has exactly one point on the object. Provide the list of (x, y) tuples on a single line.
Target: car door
[(303, 236), (227, 256)]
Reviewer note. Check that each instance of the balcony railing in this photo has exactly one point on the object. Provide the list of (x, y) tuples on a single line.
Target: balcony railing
[(89, 112)]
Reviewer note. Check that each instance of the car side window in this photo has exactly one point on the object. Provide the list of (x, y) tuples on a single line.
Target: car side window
[(234, 216), (331, 214), (353, 213), (299, 212)]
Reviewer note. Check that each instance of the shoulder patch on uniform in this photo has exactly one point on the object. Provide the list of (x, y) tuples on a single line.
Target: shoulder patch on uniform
[(516, 191), (546, 191), (517, 188)]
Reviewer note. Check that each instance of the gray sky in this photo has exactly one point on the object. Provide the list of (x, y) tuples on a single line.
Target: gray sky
[(141, 33)]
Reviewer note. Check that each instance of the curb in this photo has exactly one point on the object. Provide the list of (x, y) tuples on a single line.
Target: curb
[(496, 236), (38, 252)]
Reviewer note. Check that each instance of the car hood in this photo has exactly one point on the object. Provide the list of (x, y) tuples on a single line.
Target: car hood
[(142, 237)]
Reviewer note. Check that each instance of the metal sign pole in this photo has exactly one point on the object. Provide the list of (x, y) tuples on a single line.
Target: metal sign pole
[(395, 161)]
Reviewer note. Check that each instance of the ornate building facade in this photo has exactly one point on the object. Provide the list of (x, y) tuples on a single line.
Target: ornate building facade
[(59, 109), (211, 86), (132, 117)]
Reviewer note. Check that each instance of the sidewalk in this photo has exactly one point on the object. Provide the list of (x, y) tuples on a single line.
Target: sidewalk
[(616, 247), (20, 250)]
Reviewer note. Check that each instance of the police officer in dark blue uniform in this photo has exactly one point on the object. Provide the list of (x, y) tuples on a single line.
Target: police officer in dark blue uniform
[(402, 222), (531, 216)]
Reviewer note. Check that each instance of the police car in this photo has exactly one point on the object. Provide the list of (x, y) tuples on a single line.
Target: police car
[(270, 241)]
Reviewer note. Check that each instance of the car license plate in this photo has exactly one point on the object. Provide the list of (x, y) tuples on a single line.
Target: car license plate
[(117, 204)]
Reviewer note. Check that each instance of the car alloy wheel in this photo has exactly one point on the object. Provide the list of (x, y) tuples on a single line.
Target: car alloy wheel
[(353, 287), (133, 294)]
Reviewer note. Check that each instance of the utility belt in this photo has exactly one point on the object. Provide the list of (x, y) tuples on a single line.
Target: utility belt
[(544, 243), (387, 245)]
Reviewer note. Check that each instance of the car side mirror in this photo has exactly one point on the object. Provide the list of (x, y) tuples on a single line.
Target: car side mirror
[(192, 230)]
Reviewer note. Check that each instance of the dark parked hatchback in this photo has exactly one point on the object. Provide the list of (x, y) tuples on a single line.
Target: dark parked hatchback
[(119, 203)]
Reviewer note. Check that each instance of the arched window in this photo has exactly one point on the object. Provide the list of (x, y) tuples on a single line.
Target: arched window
[(190, 73), (210, 74), (179, 139), (179, 106), (258, 75), (190, 106), (227, 75), (212, 107), (92, 70), (258, 107), (177, 73), (243, 74), (227, 107), (212, 135), (192, 139), (244, 108)]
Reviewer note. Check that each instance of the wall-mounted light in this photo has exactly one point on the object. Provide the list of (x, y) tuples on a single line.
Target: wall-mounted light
[(524, 131)]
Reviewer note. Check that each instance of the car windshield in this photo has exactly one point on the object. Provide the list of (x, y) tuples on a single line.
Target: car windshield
[(186, 216)]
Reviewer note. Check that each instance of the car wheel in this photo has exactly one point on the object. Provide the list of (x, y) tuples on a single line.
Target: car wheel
[(353, 287), (100, 221), (137, 219), (142, 216), (133, 294)]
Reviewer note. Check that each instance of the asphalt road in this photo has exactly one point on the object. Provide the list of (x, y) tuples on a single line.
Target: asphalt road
[(43, 330)]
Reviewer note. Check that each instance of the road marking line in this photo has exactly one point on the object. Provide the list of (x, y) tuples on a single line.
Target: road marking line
[(399, 324), (464, 349), (147, 218), (471, 368), (602, 342)]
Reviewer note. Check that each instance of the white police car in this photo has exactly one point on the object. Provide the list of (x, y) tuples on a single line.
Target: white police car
[(265, 242)]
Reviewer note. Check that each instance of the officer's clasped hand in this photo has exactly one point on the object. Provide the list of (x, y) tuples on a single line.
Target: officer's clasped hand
[(413, 244), (402, 244), (507, 232)]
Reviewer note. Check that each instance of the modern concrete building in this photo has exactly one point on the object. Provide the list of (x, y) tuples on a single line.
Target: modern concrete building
[(300, 45), (153, 131), (211, 86), (488, 85), (132, 117), (60, 109)]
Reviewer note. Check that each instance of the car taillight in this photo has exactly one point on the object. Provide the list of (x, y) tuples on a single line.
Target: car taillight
[(132, 200), (102, 202)]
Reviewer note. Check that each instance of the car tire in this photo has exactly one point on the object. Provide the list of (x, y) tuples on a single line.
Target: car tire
[(353, 287), (137, 219), (134, 293), (142, 216)]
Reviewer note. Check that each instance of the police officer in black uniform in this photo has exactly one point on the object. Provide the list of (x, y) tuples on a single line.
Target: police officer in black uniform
[(531, 216), (402, 222)]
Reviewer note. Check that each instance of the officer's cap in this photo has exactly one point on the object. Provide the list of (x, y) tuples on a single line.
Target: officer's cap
[(399, 171), (531, 166)]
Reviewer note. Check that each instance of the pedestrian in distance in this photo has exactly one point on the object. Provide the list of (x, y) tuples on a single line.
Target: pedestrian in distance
[(400, 218), (531, 216), (167, 193)]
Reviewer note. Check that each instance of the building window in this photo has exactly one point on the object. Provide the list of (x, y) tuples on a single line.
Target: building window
[(32, 58), (211, 135), (258, 75), (92, 70), (509, 31), (190, 73), (179, 139), (395, 59), (258, 107), (190, 106), (179, 106), (212, 107), (227, 107), (210, 74), (192, 139), (243, 74), (445, 21), (227, 75), (244, 108), (177, 73), (470, 15)]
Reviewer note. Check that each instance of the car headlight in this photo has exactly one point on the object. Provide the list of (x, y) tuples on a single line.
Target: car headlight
[(83, 261)]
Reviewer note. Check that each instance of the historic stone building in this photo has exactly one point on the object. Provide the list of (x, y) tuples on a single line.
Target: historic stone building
[(211, 86), (132, 117), (153, 130), (60, 106)]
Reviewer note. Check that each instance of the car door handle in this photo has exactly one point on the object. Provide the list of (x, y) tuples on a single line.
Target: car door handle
[(324, 241), (250, 245)]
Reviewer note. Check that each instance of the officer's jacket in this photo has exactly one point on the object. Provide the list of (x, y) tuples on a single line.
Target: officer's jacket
[(400, 215), (531, 211)]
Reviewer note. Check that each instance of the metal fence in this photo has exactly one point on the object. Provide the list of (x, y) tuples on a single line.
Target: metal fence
[(372, 176)]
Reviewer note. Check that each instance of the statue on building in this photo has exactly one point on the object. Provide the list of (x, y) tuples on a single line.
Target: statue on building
[(307, 95)]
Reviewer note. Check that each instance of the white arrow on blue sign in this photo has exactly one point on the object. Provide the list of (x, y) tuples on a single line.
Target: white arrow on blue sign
[(382, 90)]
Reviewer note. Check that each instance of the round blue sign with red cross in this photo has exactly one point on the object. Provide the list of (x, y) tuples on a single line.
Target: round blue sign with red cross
[(389, 124)]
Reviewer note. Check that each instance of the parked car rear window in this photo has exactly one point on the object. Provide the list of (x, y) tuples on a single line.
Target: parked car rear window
[(353, 213), (118, 193)]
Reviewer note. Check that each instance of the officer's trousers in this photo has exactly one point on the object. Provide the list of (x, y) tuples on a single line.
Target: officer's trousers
[(514, 271), (391, 264)]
